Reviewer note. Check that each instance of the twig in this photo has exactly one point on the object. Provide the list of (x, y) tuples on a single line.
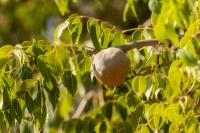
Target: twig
[(139, 44), (134, 29), (82, 104), (131, 45)]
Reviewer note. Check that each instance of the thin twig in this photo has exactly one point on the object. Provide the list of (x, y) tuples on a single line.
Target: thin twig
[(82, 104), (131, 45), (135, 29), (139, 44)]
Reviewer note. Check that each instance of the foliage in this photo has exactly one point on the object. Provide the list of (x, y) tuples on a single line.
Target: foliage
[(49, 87)]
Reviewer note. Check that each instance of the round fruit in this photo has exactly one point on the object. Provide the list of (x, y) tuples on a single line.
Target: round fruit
[(111, 66)]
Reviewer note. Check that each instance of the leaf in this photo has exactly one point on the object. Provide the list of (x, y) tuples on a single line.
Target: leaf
[(142, 84), (28, 85), (54, 62), (6, 100), (52, 89), (103, 127), (29, 103), (88, 126), (75, 28), (106, 37), (118, 39), (175, 77), (122, 127), (62, 6), (107, 110), (189, 34), (199, 4), (87, 81), (5, 55), (154, 6), (145, 129), (16, 110), (94, 31), (26, 127), (70, 82), (130, 5), (164, 27), (122, 111), (58, 31), (40, 47), (26, 72), (135, 116), (132, 100), (188, 55), (72, 126), (40, 111)]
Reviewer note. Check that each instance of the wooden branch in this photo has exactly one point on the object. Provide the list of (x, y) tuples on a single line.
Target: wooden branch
[(138, 44), (131, 45), (82, 104)]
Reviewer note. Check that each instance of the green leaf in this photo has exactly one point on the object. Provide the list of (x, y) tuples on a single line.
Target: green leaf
[(54, 62), (137, 35), (88, 126), (122, 127), (175, 77), (28, 85), (188, 55), (26, 72), (58, 31), (132, 100), (135, 116), (155, 6), (106, 37), (189, 34), (118, 39), (122, 111), (16, 110), (164, 27), (87, 81), (6, 100), (52, 89), (40, 111), (70, 82), (26, 127), (130, 5), (145, 129), (72, 126), (62, 6), (94, 31), (40, 47), (107, 110), (142, 84), (5, 55), (199, 4), (75, 28), (29, 102)]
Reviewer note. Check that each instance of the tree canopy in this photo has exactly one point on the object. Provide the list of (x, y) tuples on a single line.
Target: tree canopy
[(46, 55)]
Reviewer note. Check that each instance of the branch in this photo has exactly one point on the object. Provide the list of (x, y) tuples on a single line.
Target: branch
[(139, 44), (131, 45), (82, 104)]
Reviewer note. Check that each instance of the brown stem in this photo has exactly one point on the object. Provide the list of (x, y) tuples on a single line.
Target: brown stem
[(139, 44), (131, 45)]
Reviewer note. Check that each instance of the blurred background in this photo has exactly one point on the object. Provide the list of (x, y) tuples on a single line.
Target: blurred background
[(25, 20)]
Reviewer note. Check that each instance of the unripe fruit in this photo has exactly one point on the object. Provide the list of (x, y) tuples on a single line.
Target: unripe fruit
[(111, 66)]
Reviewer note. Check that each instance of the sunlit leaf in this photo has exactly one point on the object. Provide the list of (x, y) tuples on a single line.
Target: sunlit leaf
[(94, 30), (62, 6)]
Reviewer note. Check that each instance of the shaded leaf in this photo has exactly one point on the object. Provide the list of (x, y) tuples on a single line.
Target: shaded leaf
[(70, 82)]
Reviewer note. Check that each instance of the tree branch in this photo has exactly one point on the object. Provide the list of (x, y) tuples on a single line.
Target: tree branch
[(131, 45), (139, 44)]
